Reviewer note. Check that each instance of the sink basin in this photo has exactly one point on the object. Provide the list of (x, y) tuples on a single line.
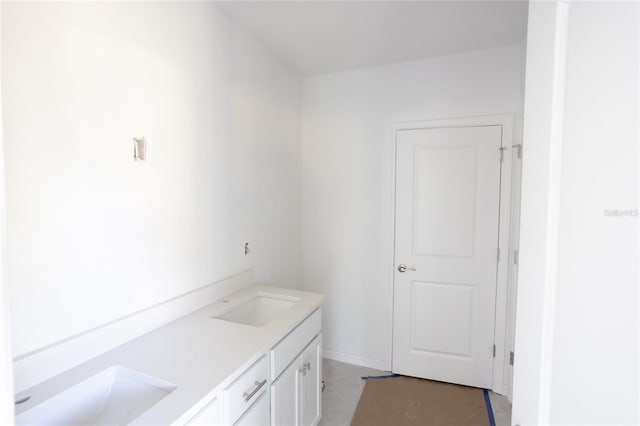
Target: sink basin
[(114, 396), (258, 311)]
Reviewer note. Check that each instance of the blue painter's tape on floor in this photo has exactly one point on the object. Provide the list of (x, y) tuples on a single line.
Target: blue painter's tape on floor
[(387, 376), (487, 402)]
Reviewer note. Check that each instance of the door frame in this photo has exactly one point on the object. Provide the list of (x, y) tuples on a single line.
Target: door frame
[(502, 370)]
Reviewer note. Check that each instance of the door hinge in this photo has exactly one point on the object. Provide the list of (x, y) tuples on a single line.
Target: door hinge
[(518, 146), (516, 256), (511, 358), (502, 153), (498, 254), (494, 351)]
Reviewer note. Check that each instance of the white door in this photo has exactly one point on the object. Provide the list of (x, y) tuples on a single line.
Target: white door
[(446, 234)]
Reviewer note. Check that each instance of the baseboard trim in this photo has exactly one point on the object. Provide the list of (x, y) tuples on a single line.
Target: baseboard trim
[(378, 364)]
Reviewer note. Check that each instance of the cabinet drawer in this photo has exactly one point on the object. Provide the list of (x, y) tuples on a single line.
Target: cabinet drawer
[(246, 389), (291, 345), (210, 415), (258, 414)]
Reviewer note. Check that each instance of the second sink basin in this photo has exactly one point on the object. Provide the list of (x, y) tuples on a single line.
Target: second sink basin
[(258, 310), (114, 396)]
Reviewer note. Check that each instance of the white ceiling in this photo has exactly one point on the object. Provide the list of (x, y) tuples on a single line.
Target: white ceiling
[(318, 37)]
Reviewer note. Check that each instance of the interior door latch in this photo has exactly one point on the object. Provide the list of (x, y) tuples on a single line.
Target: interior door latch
[(403, 268)]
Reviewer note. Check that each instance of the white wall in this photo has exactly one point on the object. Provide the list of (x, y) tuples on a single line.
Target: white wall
[(347, 162), (542, 150), (596, 356), (578, 329), (93, 235), (6, 378)]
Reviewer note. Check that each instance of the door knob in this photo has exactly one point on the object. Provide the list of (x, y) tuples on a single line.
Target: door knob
[(403, 268)]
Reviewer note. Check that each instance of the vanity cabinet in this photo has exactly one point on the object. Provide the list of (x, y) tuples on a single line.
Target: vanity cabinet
[(282, 388), (296, 398), (216, 365)]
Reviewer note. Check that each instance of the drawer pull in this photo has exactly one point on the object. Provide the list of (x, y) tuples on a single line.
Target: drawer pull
[(259, 385)]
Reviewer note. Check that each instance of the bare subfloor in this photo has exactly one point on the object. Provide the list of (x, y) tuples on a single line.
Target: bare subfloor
[(344, 387)]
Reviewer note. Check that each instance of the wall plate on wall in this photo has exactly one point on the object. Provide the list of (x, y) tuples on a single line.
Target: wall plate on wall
[(139, 149)]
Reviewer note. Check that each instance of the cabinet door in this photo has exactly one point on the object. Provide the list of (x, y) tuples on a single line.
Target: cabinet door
[(258, 414), (285, 400), (311, 382)]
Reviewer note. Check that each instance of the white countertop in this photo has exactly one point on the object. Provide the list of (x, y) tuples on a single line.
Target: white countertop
[(197, 353)]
